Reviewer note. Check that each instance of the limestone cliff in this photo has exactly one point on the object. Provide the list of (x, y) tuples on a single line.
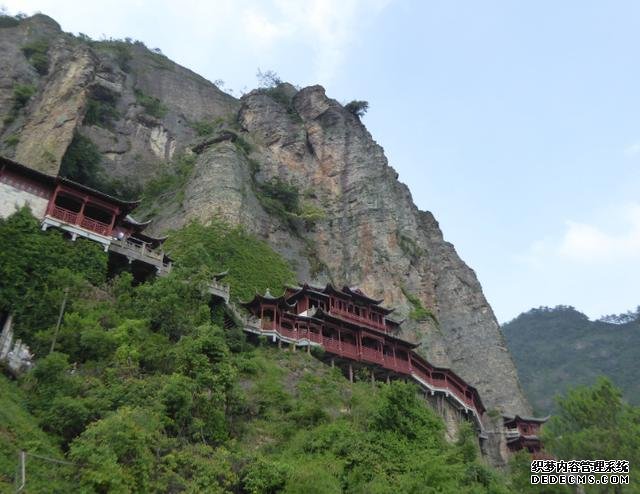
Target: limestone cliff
[(352, 221)]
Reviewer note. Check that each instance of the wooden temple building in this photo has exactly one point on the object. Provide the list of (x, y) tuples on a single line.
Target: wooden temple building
[(357, 332), (81, 211), (524, 433)]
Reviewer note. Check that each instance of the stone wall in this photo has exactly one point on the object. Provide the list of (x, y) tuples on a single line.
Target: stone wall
[(13, 198)]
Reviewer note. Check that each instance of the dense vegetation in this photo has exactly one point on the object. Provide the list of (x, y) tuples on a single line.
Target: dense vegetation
[(592, 423), (555, 349), (145, 392)]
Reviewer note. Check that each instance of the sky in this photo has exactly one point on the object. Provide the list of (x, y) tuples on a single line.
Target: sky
[(515, 123)]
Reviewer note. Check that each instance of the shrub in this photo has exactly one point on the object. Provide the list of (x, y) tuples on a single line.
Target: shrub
[(203, 127), (8, 21), (152, 105), (82, 162), (36, 53), (357, 107), (100, 112), (22, 93)]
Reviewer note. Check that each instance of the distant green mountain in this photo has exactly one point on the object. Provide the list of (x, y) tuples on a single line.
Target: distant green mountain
[(557, 348)]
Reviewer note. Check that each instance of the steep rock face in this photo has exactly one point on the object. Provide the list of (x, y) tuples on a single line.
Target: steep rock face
[(124, 77), (364, 230)]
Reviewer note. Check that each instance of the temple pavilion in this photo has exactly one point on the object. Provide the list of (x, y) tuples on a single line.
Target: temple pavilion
[(81, 211)]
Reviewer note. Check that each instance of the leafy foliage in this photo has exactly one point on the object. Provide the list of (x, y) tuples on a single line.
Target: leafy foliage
[(36, 53), (357, 107), (101, 112), (22, 93), (37, 266), (144, 392), (251, 263), (283, 200), (82, 162), (152, 105), (595, 423)]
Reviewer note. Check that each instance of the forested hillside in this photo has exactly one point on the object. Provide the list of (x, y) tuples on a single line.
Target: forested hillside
[(145, 392), (558, 348)]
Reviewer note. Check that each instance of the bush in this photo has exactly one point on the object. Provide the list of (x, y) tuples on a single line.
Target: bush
[(152, 105), (357, 107), (252, 264), (36, 266), (36, 53), (8, 21), (100, 112), (22, 93), (82, 162)]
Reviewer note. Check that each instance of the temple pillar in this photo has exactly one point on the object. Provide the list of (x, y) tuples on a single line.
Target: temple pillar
[(350, 373)]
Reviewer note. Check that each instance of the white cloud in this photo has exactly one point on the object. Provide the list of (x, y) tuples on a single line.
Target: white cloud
[(632, 149), (326, 27), (592, 244), (253, 32)]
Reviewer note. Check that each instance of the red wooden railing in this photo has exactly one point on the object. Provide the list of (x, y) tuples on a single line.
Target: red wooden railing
[(365, 321), (74, 218), (64, 215), (348, 350)]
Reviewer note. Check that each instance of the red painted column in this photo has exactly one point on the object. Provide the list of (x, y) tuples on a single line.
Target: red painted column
[(81, 212), (52, 200)]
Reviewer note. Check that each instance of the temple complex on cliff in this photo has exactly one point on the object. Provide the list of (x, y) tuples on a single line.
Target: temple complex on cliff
[(83, 212), (356, 332)]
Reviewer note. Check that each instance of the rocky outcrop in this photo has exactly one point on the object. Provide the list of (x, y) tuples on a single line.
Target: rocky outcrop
[(355, 224), (14, 354)]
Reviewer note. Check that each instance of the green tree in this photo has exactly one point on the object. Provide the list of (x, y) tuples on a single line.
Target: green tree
[(117, 454), (594, 423)]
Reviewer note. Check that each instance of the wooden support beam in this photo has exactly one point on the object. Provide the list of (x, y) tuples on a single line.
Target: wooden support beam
[(350, 373)]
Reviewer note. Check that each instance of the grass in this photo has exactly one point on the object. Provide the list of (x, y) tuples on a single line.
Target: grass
[(20, 430)]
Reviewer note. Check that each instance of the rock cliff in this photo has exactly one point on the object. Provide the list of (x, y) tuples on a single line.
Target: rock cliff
[(293, 166)]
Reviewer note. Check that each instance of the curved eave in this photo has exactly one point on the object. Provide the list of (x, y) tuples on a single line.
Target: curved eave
[(267, 299), (134, 222), (524, 418), (125, 206), (357, 293)]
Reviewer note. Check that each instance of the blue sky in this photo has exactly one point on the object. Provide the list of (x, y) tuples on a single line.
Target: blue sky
[(515, 123)]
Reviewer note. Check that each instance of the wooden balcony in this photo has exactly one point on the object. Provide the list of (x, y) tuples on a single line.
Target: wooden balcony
[(364, 321), (76, 219), (371, 355)]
